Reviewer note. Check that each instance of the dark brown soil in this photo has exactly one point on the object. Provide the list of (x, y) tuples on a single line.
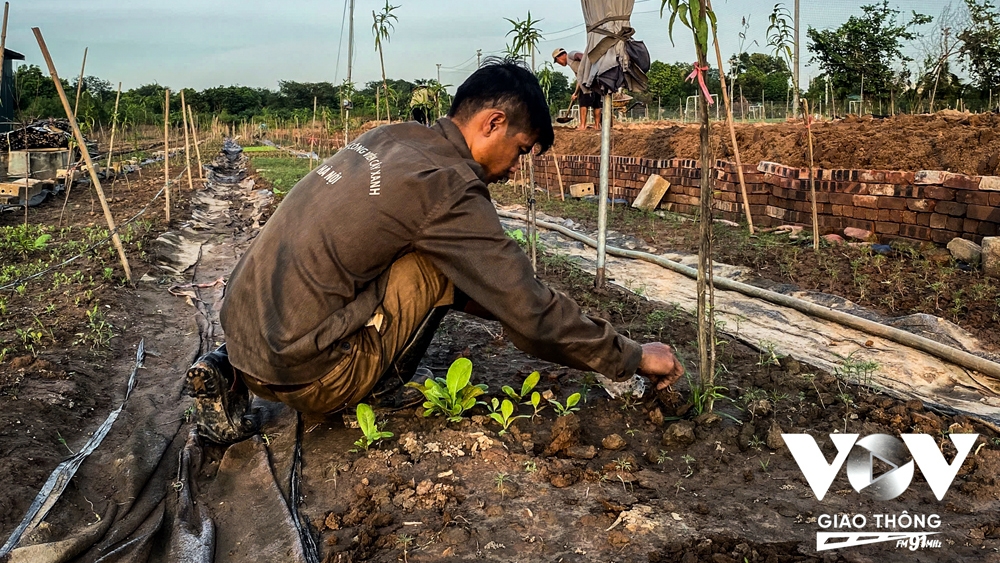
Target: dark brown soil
[(68, 337), (907, 280), (687, 487), (947, 140), (690, 488)]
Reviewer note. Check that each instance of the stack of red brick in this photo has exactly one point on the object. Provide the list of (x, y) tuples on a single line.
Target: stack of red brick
[(921, 206)]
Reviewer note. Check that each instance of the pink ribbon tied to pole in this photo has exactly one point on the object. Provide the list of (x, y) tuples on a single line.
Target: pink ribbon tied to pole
[(699, 73)]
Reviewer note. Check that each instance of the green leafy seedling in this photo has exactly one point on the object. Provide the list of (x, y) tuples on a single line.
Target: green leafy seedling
[(503, 414), (526, 387), (570, 407), (453, 395), (536, 403), (372, 434)]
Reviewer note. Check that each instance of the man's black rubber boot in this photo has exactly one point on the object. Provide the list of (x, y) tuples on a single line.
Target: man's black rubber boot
[(221, 399), (390, 391)]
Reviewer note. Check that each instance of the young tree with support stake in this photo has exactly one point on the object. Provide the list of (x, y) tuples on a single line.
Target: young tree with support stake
[(526, 39), (696, 16), (381, 29)]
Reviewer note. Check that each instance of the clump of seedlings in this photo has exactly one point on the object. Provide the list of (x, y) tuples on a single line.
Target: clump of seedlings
[(570, 406), (452, 395), (503, 414)]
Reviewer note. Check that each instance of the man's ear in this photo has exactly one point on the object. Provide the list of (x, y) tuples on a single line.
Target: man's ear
[(494, 121)]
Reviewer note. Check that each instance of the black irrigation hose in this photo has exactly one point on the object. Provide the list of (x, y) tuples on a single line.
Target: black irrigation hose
[(309, 548), (16, 283), (63, 474), (947, 353)]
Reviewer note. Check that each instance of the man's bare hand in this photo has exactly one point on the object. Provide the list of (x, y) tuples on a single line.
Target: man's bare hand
[(660, 364)]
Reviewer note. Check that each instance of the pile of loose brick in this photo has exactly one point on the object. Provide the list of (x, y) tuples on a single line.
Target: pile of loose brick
[(926, 205)]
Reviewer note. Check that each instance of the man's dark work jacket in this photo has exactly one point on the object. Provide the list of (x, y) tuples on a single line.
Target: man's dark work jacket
[(313, 274)]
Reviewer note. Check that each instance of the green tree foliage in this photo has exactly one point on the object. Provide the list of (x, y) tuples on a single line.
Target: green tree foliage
[(34, 93), (761, 74), (558, 91), (869, 45), (36, 97), (527, 36), (981, 44), (666, 83)]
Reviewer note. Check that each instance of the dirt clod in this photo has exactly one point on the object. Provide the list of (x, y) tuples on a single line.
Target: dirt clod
[(614, 442), (582, 452), (332, 521), (774, 439), (565, 434), (679, 434), (656, 416), (707, 419)]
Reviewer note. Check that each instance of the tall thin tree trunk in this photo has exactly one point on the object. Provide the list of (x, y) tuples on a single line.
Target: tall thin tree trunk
[(385, 86), (706, 289)]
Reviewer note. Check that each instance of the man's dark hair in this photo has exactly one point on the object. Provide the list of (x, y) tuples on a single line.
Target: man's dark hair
[(506, 84)]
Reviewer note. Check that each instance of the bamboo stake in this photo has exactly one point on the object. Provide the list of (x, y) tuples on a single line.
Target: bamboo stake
[(166, 150), (114, 123), (555, 159), (27, 176), (312, 135), (67, 185), (3, 34), (194, 137), (812, 174), (187, 143), (79, 83), (732, 129), (531, 208), (86, 154)]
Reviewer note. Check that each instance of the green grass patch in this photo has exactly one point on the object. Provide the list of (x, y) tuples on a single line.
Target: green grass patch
[(259, 148), (281, 172)]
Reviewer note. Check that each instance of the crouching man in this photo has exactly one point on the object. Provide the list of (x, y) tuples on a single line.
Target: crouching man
[(338, 297)]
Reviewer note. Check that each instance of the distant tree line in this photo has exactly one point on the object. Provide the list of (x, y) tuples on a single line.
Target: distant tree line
[(36, 97)]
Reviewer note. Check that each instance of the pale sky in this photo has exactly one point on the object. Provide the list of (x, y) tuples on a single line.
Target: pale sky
[(204, 43)]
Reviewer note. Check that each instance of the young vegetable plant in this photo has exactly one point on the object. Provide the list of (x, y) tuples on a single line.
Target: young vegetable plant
[(570, 407), (453, 395), (526, 387), (372, 434), (503, 414), (536, 403)]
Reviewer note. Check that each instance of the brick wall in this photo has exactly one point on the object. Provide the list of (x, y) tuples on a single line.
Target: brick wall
[(919, 206)]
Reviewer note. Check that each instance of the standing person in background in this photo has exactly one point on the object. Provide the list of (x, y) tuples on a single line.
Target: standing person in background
[(588, 100)]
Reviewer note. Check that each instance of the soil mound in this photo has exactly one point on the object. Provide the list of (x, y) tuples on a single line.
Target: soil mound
[(952, 141)]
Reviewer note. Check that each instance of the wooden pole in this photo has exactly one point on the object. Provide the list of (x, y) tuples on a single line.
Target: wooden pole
[(812, 174), (166, 150), (312, 135), (562, 194), (187, 142), (3, 34), (79, 83), (114, 123), (86, 154), (531, 210), (732, 128), (602, 202), (194, 137), (27, 176)]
